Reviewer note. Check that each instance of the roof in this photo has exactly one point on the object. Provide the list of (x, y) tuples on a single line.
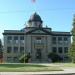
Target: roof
[(35, 17), (33, 32)]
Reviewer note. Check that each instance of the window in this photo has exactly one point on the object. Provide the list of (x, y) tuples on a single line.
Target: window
[(9, 49), (9, 39), (59, 38), (66, 58), (65, 38), (53, 40), (60, 49), (38, 40), (54, 49), (15, 49), (33, 24), (15, 59), (38, 24), (16, 39), (65, 49), (22, 39), (9, 59), (21, 49)]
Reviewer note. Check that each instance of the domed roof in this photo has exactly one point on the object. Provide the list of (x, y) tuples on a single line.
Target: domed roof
[(35, 17)]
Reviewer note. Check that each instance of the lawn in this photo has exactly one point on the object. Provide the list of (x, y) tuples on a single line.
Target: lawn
[(27, 68), (66, 64)]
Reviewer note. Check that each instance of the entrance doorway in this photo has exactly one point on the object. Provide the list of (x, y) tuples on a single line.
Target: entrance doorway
[(38, 55)]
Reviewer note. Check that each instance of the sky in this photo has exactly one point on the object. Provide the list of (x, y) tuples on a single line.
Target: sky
[(56, 14)]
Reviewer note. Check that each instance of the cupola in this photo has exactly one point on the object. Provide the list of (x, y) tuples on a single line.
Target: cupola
[(35, 21)]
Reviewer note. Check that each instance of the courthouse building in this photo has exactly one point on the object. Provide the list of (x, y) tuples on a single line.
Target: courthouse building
[(36, 40), (1, 52)]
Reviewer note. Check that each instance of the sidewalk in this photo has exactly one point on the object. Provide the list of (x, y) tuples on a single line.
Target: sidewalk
[(67, 71)]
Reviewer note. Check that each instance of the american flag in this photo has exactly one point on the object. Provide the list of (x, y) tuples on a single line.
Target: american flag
[(33, 1)]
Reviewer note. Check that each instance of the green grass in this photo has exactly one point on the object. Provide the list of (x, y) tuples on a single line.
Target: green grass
[(69, 65), (27, 68), (65, 64)]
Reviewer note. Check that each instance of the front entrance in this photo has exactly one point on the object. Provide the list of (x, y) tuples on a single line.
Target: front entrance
[(38, 55)]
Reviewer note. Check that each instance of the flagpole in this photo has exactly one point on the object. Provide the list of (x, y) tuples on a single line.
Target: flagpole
[(34, 5)]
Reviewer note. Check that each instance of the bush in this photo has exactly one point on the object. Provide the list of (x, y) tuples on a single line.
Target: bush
[(25, 58), (54, 57)]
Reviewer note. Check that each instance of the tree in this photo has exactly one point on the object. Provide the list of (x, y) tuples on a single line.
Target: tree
[(54, 57), (72, 49), (25, 58)]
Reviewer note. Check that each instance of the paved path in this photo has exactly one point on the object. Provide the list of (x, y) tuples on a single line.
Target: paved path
[(36, 73)]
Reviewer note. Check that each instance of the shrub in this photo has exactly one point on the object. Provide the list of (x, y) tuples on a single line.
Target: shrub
[(54, 57), (25, 58)]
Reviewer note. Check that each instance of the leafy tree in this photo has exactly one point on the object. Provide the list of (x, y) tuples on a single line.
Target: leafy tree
[(72, 49), (54, 57), (25, 58)]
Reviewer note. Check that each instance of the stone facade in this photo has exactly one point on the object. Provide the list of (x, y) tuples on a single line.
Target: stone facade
[(35, 39), (1, 52)]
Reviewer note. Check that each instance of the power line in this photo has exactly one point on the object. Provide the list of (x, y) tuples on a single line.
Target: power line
[(48, 10)]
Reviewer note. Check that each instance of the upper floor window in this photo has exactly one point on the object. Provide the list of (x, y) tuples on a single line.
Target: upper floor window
[(9, 39), (60, 40), (65, 38), (16, 39), (38, 40), (22, 39), (54, 40)]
